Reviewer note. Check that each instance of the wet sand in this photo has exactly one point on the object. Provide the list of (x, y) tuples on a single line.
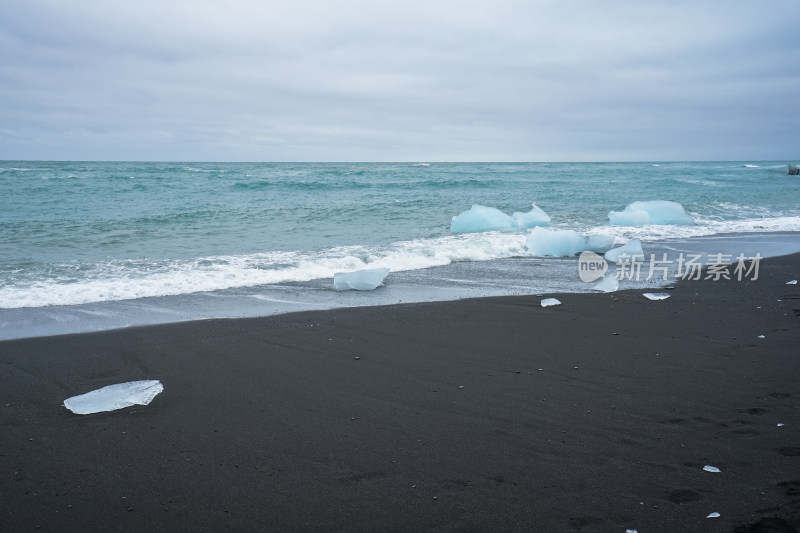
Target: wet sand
[(490, 414)]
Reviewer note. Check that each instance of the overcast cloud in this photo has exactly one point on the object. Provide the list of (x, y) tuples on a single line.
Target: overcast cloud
[(315, 80)]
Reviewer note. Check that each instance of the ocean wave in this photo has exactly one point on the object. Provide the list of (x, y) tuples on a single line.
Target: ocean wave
[(703, 227), (125, 280), (705, 183), (83, 283), (202, 170)]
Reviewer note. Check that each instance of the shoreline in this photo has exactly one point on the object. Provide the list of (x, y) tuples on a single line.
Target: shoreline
[(459, 280), (423, 416)]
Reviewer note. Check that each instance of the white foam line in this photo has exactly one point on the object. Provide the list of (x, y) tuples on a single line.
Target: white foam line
[(278, 300)]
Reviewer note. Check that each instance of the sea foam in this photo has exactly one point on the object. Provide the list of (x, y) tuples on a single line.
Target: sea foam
[(125, 280)]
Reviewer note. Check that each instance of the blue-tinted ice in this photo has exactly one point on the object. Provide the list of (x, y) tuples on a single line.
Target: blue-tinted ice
[(661, 212), (563, 243), (481, 218), (114, 397), (630, 250), (360, 280)]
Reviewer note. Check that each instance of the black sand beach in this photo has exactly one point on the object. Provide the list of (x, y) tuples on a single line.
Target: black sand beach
[(477, 415)]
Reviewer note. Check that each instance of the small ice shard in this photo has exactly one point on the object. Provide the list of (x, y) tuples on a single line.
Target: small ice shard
[(656, 295), (360, 280), (709, 468), (547, 302), (609, 283), (793, 282), (713, 515), (661, 212), (631, 531), (114, 397), (762, 336), (631, 249), (780, 424)]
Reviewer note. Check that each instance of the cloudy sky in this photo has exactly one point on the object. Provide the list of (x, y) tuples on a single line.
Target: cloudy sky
[(374, 80)]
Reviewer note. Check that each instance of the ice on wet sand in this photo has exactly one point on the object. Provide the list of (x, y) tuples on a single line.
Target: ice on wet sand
[(360, 280), (114, 397), (609, 283), (656, 295), (630, 250)]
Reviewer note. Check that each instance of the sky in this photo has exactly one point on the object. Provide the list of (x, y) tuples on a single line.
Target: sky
[(432, 80)]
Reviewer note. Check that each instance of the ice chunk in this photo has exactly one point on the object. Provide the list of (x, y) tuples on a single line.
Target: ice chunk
[(599, 243), (562, 243), (652, 212), (555, 243), (547, 302), (534, 217), (713, 515), (360, 280), (630, 249), (481, 218), (656, 295), (709, 468), (793, 282), (114, 397), (609, 283)]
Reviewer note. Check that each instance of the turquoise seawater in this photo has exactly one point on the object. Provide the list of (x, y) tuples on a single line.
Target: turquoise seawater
[(81, 232)]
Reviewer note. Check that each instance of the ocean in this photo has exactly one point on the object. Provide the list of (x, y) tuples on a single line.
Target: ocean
[(93, 245)]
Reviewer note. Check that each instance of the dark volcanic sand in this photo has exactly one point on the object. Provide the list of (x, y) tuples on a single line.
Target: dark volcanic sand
[(477, 415)]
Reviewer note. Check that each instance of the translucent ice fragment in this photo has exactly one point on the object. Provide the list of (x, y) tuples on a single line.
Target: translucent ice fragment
[(599, 243), (609, 283), (652, 212), (360, 280), (555, 243), (631, 249), (793, 282), (547, 302), (709, 468), (482, 218), (656, 295), (114, 397), (713, 515), (534, 217)]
